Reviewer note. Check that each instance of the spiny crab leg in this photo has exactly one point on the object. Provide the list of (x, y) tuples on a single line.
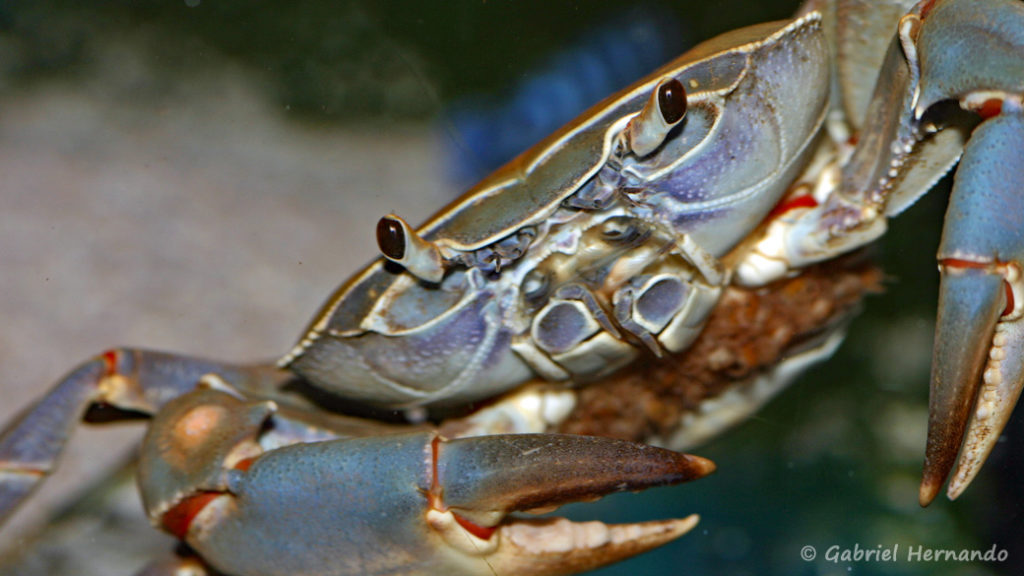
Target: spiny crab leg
[(410, 503), (979, 337)]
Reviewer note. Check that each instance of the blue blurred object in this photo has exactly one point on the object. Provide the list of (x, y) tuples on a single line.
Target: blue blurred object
[(484, 132)]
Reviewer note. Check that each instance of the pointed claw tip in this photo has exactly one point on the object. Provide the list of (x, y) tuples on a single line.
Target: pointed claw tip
[(697, 466), (929, 490), (959, 483), (954, 492), (681, 526), (937, 465)]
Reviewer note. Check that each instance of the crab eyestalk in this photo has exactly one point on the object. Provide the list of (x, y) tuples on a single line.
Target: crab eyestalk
[(664, 110), (399, 243)]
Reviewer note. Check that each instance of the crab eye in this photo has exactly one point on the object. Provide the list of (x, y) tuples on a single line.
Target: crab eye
[(672, 101), (391, 238), (665, 108), (402, 245)]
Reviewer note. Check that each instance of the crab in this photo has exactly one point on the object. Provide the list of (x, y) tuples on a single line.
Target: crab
[(615, 241)]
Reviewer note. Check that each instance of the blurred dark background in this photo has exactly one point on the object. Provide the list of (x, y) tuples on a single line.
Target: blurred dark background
[(834, 461)]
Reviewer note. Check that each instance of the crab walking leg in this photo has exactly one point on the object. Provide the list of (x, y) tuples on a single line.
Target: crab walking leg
[(900, 153), (901, 150), (979, 339), (411, 503), (133, 380)]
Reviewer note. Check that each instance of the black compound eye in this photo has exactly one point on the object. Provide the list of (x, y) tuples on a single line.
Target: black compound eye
[(391, 238), (672, 101)]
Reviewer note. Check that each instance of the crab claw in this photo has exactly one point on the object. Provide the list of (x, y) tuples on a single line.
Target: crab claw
[(483, 479), (979, 341), (419, 504)]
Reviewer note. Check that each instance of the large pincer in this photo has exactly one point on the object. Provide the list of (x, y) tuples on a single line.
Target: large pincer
[(419, 504), (978, 364), (479, 481)]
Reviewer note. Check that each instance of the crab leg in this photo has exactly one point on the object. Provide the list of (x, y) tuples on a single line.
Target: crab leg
[(909, 139), (417, 504), (409, 503), (136, 381), (979, 340)]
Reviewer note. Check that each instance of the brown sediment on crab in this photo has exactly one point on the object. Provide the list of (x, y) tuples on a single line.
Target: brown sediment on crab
[(749, 332)]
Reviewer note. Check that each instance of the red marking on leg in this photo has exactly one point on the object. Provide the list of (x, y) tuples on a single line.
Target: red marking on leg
[(244, 464), (481, 532), (178, 519), (110, 358), (994, 266), (436, 494), (990, 108), (926, 7), (792, 203), (958, 263), (436, 497)]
